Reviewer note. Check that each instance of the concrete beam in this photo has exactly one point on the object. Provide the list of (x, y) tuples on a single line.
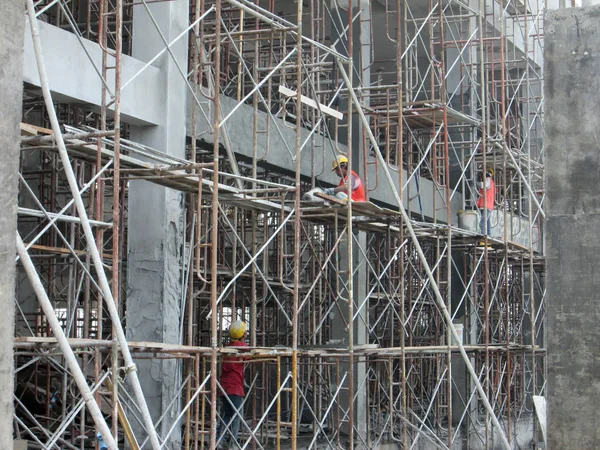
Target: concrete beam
[(519, 32), (12, 21), (280, 149), (72, 76), (143, 103)]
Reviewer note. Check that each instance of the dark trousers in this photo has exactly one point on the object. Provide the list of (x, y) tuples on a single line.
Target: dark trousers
[(229, 406)]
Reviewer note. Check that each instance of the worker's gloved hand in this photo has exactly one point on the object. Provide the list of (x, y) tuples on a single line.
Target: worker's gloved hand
[(329, 191)]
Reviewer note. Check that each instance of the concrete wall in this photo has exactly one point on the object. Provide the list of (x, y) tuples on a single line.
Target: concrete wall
[(11, 85), (572, 71)]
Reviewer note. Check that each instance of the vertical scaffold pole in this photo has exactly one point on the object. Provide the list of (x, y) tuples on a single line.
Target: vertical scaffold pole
[(91, 244)]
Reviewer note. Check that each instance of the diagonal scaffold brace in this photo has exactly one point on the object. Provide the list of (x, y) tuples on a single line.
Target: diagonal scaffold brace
[(87, 229), (438, 296)]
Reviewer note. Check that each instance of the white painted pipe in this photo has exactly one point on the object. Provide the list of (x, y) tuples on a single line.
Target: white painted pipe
[(85, 224), (440, 301), (505, 148), (64, 345)]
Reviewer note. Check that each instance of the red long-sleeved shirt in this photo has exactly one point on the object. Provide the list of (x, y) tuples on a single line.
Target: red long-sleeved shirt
[(232, 372)]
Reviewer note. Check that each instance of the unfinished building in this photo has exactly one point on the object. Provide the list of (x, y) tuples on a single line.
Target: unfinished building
[(166, 150)]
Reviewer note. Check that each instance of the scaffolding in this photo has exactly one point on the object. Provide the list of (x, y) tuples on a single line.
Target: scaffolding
[(370, 323)]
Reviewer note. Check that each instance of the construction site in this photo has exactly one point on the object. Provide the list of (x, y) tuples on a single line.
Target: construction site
[(175, 177)]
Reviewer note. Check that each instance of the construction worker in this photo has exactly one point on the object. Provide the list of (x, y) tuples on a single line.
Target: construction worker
[(340, 167), (232, 383), (486, 200)]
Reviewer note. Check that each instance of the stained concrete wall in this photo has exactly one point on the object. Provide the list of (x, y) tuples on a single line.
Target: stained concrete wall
[(572, 73), (12, 23)]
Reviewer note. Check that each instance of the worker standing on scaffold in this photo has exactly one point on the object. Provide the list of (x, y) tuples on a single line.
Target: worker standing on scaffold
[(232, 383), (486, 200), (340, 167)]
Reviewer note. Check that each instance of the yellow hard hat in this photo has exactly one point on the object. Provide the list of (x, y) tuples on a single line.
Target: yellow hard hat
[(339, 159), (490, 170), (237, 329)]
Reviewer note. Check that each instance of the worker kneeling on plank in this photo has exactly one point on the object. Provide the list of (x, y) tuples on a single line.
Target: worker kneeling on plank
[(232, 383), (340, 167)]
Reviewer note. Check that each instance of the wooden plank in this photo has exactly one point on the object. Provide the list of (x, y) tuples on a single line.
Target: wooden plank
[(62, 250), (331, 198), (33, 130), (133, 444), (310, 102)]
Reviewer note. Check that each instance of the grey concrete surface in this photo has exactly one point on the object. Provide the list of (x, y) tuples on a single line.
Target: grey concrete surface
[(12, 23), (156, 219), (281, 155), (141, 101), (572, 124), (143, 105), (340, 334)]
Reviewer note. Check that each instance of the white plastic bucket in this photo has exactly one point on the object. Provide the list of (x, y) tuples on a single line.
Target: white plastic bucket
[(460, 328), (468, 220)]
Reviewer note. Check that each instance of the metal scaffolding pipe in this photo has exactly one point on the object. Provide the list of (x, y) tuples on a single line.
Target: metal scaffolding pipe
[(438, 296), (507, 151), (290, 282), (64, 345), (91, 246)]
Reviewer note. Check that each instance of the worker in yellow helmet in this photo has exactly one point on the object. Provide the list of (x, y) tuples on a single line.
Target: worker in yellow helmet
[(340, 167), (232, 383)]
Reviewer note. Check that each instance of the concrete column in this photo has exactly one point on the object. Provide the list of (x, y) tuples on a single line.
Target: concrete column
[(361, 335), (339, 316), (156, 219), (572, 65), (462, 383), (11, 85), (361, 55)]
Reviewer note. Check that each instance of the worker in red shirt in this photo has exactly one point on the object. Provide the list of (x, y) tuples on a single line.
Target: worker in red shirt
[(232, 383), (487, 194), (340, 167)]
